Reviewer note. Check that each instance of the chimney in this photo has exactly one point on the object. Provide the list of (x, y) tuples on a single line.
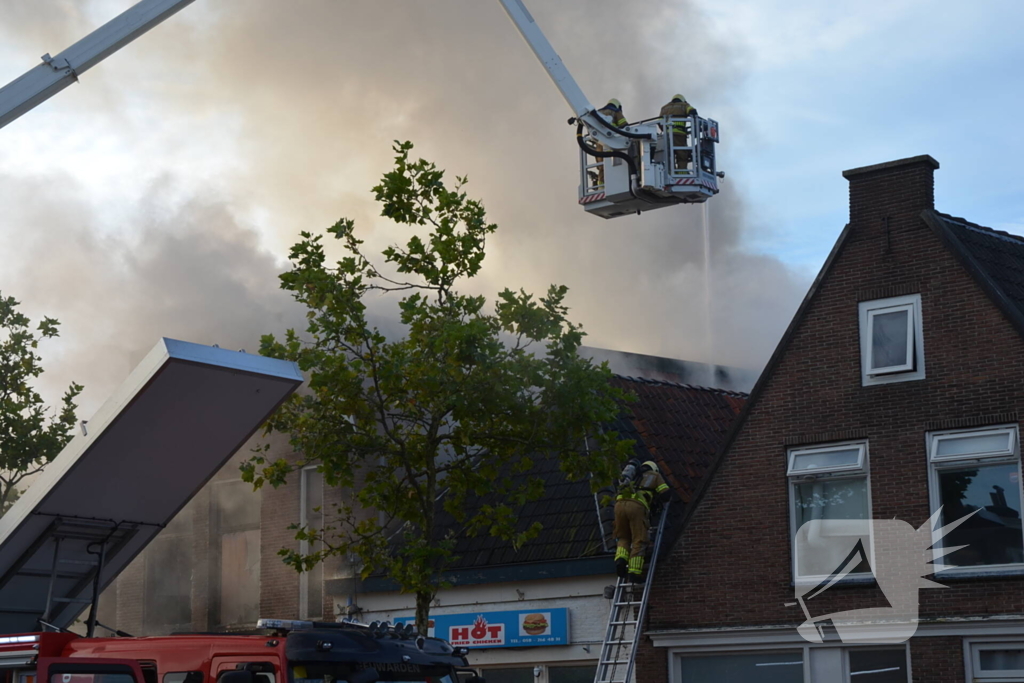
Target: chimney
[(897, 190)]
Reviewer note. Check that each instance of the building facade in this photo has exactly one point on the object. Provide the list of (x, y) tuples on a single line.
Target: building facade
[(895, 394)]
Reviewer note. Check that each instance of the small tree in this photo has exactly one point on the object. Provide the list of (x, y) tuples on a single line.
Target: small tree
[(31, 435), (450, 415)]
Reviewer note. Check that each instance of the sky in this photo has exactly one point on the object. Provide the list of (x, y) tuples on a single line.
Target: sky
[(159, 196)]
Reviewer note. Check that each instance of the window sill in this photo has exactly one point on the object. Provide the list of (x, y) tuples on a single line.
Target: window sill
[(848, 582), (973, 574)]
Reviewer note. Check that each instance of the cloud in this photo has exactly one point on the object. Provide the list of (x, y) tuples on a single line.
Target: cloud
[(187, 271)]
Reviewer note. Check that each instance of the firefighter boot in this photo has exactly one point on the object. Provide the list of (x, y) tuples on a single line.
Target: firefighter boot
[(621, 559), (636, 569)]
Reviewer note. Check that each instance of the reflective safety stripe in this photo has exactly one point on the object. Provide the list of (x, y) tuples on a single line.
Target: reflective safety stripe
[(636, 565), (621, 553), (663, 487), (643, 496)]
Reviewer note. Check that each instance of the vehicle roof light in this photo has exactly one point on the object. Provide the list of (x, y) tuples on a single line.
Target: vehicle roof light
[(286, 624), (8, 640)]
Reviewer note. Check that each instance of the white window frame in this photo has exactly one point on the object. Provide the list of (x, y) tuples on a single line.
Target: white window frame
[(914, 368), (972, 660), (838, 654), (304, 545), (827, 474), (941, 463)]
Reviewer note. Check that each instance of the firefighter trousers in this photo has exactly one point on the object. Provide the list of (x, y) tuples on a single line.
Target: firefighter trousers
[(631, 533)]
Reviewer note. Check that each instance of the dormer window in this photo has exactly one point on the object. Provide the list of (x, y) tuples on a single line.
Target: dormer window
[(891, 340)]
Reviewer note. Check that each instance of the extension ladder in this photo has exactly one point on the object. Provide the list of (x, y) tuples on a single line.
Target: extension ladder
[(626, 618)]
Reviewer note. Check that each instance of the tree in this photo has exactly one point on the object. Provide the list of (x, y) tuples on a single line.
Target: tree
[(31, 434), (449, 415)]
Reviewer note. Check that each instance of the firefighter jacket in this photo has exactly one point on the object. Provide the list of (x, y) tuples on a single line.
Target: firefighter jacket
[(645, 489), (615, 116), (674, 108)]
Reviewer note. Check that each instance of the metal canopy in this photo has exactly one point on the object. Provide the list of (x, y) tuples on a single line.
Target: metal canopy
[(181, 414)]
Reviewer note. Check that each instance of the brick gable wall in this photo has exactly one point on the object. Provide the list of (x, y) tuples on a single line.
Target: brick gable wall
[(732, 565)]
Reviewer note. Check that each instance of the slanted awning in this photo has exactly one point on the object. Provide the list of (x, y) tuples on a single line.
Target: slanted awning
[(180, 415)]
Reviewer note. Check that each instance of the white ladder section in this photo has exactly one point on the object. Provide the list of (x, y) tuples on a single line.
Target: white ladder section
[(626, 618)]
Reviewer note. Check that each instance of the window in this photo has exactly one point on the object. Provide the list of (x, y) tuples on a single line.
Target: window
[(996, 661), (766, 667), (516, 675), (236, 544), (828, 483), (878, 666), (311, 583), (976, 474), (571, 674), (183, 677), (891, 340)]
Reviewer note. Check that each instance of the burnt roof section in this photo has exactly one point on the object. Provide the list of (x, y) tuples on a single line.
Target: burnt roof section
[(677, 425)]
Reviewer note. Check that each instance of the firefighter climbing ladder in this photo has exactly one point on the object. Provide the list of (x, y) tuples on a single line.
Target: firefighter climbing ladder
[(618, 652)]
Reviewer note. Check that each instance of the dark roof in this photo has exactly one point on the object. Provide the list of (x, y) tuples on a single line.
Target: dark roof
[(677, 425), (993, 257)]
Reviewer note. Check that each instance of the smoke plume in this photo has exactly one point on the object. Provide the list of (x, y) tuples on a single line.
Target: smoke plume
[(254, 119)]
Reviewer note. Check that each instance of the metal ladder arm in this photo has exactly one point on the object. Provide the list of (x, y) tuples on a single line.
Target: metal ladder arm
[(56, 73), (620, 619)]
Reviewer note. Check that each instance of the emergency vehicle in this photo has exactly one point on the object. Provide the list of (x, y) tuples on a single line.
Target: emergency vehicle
[(282, 652)]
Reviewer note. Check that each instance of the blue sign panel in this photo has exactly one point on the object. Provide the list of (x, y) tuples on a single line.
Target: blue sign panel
[(523, 628)]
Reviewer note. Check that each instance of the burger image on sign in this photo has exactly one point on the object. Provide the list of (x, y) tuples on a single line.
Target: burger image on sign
[(534, 623)]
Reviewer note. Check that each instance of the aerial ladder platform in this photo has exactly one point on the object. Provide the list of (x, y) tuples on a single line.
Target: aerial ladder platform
[(647, 165), (617, 659)]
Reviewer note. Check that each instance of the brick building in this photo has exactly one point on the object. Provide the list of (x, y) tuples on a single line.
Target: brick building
[(896, 391)]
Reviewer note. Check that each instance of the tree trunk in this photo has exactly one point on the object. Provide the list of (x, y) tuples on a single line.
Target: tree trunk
[(423, 599)]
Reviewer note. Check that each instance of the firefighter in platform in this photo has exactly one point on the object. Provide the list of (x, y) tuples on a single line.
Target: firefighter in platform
[(640, 487), (612, 112), (678, 106)]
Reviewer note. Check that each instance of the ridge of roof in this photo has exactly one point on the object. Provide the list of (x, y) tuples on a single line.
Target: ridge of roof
[(680, 385), (984, 230)]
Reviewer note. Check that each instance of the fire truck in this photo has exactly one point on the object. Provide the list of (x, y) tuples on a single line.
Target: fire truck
[(281, 651)]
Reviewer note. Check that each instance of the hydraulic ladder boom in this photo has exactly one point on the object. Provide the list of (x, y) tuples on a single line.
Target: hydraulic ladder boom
[(56, 73), (563, 80)]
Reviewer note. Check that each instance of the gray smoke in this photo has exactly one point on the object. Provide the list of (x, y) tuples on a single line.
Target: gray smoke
[(312, 93)]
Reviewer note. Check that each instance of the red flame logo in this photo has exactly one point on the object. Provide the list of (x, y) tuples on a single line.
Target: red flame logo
[(479, 628)]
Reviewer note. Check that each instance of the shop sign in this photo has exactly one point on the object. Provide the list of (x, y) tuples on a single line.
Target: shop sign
[(522, 628)]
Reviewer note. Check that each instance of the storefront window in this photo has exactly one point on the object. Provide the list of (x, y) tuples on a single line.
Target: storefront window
[(878, 666), (771, 667), (517, 675), (570, 674)]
